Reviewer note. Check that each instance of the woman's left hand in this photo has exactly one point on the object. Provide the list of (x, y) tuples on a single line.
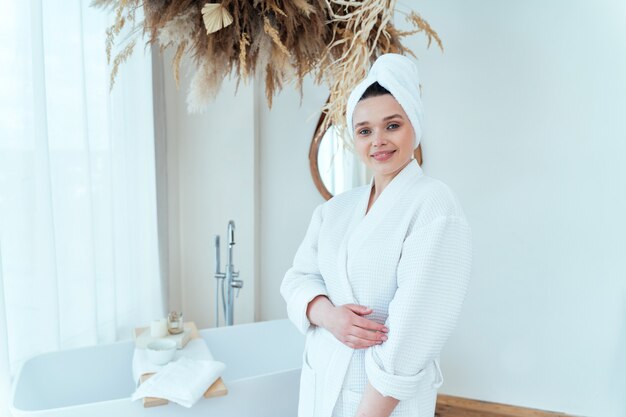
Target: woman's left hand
[(346, 323), (349, 326)]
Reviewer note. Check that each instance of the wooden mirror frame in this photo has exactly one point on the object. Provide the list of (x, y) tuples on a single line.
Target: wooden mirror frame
[(314, 150)]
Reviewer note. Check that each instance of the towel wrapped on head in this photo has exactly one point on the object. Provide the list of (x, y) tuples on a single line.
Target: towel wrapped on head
[(398, 74)]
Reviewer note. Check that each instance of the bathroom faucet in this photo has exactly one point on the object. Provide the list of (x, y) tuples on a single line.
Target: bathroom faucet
[(228, 279)]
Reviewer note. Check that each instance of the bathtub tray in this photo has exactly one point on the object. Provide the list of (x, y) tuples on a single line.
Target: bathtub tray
[(218, 388)]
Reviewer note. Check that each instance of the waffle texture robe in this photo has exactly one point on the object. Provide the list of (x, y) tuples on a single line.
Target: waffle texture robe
[(409, 259)]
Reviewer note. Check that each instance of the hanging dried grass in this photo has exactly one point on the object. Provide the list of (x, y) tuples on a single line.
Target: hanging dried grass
[(176, 62), (361, 32), (178, 30), (203, 88), (273, 33), (422, 26), (244, 42), (334, 40), (119, 59)]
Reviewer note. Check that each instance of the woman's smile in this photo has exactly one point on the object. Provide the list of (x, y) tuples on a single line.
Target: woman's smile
[(382, 156)]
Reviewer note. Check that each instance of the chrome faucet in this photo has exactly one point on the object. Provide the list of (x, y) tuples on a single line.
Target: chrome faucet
[(227, 278)]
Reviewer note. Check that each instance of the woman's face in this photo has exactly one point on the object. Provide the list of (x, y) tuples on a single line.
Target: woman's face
[(383, 135)]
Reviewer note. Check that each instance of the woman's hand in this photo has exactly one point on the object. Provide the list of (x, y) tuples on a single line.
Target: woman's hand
[(347, 323)]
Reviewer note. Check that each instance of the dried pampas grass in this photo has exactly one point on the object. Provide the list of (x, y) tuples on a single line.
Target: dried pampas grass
[(283, 40)]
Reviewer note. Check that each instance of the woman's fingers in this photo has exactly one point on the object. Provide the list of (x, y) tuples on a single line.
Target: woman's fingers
[(358, 309), (364, 333), (358, 343), (363, 322), (369, 325), (368, 334), (352, 329)]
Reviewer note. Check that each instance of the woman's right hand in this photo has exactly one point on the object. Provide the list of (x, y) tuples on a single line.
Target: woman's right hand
[(346, 323)]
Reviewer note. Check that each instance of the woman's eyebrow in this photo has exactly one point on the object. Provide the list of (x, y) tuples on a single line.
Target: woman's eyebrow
[(393, 116)]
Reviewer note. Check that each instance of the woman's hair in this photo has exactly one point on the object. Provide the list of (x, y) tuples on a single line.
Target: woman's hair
[(374, 90)]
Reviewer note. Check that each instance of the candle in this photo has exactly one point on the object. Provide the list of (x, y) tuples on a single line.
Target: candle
[(158, 328)]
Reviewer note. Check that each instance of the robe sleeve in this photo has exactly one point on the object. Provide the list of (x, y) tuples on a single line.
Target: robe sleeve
[(303, 281), (432, 278)]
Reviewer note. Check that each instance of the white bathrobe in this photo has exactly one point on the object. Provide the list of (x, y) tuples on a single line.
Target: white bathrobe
[(409, 260)]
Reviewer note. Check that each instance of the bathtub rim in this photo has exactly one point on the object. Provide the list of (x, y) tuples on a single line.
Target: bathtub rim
[(20, 369), (70, 407)]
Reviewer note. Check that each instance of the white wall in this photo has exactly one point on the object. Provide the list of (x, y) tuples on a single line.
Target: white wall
[(524, 120), (211, 173), (288, 193)]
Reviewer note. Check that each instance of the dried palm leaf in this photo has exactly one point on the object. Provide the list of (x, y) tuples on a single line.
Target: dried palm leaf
[(215, 17)]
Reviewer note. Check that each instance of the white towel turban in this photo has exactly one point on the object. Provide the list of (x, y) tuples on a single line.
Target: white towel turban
[(398, 74)]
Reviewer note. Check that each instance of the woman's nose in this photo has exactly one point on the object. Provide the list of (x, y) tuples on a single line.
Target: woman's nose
[(378, 139)]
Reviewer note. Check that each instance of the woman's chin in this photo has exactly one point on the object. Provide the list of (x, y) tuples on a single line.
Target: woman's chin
[(389, 167)]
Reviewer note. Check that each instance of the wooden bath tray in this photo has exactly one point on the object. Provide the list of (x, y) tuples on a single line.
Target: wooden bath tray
[(218, 388)]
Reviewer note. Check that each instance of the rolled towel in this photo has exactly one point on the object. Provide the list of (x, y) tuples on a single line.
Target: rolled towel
[(182, 381)]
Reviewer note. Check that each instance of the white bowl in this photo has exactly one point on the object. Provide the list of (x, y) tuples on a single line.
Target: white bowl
[(161, 351)]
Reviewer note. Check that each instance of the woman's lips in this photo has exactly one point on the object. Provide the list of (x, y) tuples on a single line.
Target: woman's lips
[(382, 156)]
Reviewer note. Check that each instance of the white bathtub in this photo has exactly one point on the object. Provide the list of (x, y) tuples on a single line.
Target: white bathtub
[(263, 372)]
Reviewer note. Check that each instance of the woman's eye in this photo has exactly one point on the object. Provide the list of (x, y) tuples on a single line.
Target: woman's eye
[(393, 126), (364, 132)]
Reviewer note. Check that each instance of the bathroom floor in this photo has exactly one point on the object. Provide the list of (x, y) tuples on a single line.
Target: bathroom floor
[(449, 406)]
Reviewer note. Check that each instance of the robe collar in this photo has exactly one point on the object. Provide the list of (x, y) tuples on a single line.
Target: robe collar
[(363, 224), (389, 195)]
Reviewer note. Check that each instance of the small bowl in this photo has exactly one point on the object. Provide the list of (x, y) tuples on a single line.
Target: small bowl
[(161, 351)]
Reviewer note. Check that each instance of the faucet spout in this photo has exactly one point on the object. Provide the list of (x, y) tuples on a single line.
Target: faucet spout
[(231, 233)]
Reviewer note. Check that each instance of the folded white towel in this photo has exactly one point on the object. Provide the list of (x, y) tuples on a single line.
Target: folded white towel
[(195, 349), (182, 381)]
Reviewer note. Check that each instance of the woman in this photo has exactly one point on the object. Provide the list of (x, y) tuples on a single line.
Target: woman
[(378, 282)]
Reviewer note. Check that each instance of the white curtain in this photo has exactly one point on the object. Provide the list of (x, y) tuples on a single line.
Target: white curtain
[(78, 228)]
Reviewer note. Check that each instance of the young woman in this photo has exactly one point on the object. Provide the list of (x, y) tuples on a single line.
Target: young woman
[(378, 283)]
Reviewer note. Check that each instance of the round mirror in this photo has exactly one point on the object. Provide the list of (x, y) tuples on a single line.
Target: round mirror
[(335, 168)]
